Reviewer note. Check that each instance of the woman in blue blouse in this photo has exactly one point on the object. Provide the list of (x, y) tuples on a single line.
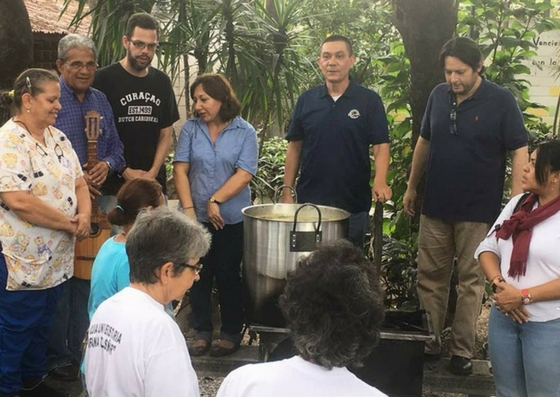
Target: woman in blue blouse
[(214, 163)]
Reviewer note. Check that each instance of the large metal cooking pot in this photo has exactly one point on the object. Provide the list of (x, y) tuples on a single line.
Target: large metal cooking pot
[(275, 237)]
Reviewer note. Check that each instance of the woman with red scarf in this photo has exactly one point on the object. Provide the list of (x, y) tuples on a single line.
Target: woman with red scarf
[(521, 259)]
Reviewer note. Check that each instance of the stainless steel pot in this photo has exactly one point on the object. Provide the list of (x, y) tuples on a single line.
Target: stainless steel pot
[(274, 239)]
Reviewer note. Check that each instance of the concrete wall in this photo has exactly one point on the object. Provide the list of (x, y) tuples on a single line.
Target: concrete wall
[(545, 73)]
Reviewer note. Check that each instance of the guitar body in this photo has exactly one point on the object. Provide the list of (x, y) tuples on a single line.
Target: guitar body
[(86, 251), (100, 230)]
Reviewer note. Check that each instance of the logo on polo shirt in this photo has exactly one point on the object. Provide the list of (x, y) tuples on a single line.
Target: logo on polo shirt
[(354, 114)]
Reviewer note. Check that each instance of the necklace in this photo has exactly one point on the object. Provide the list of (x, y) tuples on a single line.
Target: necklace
[(24, 125), (57, 149)]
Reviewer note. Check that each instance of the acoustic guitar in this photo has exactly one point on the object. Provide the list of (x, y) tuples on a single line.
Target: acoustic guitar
[(100, 229)]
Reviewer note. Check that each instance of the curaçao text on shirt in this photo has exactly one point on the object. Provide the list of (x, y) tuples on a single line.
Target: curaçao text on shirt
[(140, 96)]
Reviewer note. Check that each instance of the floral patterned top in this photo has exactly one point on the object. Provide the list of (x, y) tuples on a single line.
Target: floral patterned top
[(37, 257)]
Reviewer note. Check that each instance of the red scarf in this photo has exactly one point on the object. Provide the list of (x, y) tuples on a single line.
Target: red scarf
[(520, 225)]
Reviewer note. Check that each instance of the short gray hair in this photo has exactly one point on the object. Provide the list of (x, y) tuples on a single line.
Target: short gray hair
[(74, 40), (162, 235)]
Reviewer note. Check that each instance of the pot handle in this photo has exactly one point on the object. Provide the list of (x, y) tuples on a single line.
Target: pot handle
[(280, 189), (305, 241), (320, 216)]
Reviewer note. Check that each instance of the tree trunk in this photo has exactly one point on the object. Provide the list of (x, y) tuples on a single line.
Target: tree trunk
[(16, 45), (425, 25)]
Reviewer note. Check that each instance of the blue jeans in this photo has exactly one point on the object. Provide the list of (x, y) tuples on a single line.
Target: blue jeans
[(358, 227), (25, 318), (525, 357), (69, 326), (223, 262)]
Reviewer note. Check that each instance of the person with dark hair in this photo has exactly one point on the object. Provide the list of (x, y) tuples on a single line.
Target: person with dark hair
[(143, 104), (110, 272), (44, 207), (133, 347), (468, 127), (77, 64), (332, 129), (333, 307), (215, 160), (520, 260)]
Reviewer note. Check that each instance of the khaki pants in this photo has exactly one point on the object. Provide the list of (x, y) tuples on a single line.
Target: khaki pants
[(439, 243)]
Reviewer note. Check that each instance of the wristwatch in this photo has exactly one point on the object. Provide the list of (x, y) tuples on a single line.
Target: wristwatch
[(212, 199), (526, 297)]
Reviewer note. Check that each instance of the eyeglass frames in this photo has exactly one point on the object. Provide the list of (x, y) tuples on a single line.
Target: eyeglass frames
[(140, 45), (196, 268), (453, 118), (77, 65)]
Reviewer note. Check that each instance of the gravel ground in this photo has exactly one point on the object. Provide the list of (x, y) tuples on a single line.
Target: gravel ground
[(209, 385)]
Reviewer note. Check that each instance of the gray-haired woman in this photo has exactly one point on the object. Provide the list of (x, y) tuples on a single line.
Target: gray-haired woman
[(134, 348), (333, 308)]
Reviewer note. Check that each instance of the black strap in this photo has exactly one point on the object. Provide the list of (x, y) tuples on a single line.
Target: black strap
[(520, 202)]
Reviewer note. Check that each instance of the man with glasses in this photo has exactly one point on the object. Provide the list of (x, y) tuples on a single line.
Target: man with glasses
[(76, 64), (469, 126), (143, 104)]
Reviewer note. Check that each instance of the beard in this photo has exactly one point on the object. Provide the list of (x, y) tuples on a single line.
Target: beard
[(137, 64)]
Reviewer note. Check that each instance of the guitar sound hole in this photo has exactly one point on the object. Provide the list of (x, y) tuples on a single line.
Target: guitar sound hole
[(94, 229)]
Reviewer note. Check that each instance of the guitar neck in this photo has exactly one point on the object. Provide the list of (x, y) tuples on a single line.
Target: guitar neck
[(92, 161)]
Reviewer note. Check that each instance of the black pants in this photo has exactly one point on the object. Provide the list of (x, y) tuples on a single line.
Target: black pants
[(223, 262)]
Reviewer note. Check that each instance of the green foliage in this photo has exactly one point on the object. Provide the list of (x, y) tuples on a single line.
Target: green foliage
[(270, 174), (398, 274), (506, 31)]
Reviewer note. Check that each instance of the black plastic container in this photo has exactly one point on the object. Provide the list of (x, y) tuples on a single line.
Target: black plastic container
[(396, 365)]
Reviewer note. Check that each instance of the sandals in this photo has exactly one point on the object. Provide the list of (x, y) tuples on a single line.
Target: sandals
[(223, 347), (199, 347)]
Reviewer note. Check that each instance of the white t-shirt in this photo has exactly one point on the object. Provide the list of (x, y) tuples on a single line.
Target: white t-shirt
[(135, 349), (294, 377), (543, 261)]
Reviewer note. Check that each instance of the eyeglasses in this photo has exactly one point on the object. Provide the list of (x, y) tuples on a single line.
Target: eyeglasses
[(77, 65), (196, 268), (140, 45), (453, 118)]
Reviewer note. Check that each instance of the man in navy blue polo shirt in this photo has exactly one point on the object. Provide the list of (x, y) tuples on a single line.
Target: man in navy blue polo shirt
[(332, 129), (469, 126)]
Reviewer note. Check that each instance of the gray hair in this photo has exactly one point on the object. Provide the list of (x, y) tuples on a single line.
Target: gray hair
[(333, 305), (74, 40), (162, 235)]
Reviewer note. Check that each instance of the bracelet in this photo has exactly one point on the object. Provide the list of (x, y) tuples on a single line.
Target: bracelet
[(494, 284), (499, 276), (188, 208)]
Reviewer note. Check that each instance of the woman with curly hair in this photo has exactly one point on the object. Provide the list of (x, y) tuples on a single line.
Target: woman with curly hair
[(333, 308)]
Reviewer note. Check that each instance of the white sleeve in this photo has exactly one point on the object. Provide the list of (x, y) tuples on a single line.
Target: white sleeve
[(170, 374), (228, 387), (490, 243)]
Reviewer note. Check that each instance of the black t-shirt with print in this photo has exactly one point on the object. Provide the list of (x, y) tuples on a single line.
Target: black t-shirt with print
[(142, 106)]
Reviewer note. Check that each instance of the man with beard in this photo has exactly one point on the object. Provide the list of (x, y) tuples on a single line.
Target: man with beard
[(143, 104), (469, 126), (333, 127)]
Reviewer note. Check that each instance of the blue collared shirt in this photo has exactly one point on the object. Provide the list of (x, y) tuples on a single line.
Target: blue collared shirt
[(212, 164), (71, 121)]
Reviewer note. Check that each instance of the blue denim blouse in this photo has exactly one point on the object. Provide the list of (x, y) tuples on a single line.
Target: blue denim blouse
[(212, 164)]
